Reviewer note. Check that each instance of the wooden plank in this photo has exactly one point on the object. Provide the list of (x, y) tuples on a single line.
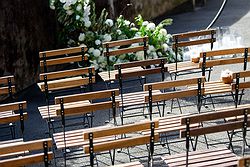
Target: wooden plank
[(66, 83), (223, 52), (12, 118), (142, 72), (124, 42), (243, 85), (230, 112), (5, 90), (25, 160), (125, 50), (13, 106), (4, 80), (88, 108), (29, 145), (130, 164), (172, 95), (140, 63), (123, 129), (223, 61), (194, 33), (87, 96), (121, 143), (63, 60), (172, 84), (242, 74), (57, 52), (243, 161), (191, 43), (216, 128), (66, 73)]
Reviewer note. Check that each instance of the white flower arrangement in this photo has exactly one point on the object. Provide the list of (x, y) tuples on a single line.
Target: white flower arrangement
[(82, 26), (226, 76), (195, 57)]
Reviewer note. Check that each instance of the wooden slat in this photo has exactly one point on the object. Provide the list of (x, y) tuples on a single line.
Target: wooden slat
[(66, 83), (57, 52), (121, 143), (194, 33), (223, 52), (140, 73), (244, 161), (230, 112), (172, 84), (191, 43), (223, 61), (243, 85), (125, 50), (5, 90), (12, 118), (12, 106), (242, 74), (87, 108), (140, 63), (87, 96), (144, 125), (130, 164), (172, 95), (29, 145), (66, 73), (4, 80), (63, 60), (25, 160), (216, 128), (124, 42)]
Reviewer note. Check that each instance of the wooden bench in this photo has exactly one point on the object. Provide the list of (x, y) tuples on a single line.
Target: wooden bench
[(121, 142), (244, 161), (219, 156), (121, 47), (179, 42), (164, 95), (53, 80), (27, 153), (7, 87), (11, 113), (135, 97), (131, 164)]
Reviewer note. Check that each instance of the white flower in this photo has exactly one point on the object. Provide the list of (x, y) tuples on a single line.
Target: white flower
[(163, 32), (138, 34), (79, 7), (109, 22), (134, 29), (96, 52), (226, 73), (52, 7), (87, 24), (145, 23), (100, 48), (151, 48), (62, 1), (71, 41), (151, 26), (69, 12), (107, 38), (97, 42), (87, 1), (91, 50), (165, 47), (66, 6), (119, 32), (132, 25), (127, 22), (81, 37), (78, 17), (195, 55)]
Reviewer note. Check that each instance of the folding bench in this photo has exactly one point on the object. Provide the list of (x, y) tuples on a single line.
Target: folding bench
[(7, 87)]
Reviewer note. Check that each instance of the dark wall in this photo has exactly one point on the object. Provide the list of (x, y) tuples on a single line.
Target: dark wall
[(26, 27)]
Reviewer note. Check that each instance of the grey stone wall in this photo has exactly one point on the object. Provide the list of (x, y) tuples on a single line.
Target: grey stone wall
[(26, 27)]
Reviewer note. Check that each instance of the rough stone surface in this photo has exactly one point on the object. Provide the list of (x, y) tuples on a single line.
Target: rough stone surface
[(26, 27)]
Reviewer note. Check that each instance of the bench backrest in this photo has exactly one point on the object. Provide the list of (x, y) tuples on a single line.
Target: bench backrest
[(198, 90), (117, 48), (244, 161), (7, 85), (13, 112), (95, 147), (28, 151), (91, 107), (180, 40), (217, 60), (51, 59)]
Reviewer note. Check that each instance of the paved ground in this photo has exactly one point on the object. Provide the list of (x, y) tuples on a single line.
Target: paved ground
[(236, 16)]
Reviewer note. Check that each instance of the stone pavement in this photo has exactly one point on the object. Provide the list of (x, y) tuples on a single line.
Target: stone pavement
[(236, 15)]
